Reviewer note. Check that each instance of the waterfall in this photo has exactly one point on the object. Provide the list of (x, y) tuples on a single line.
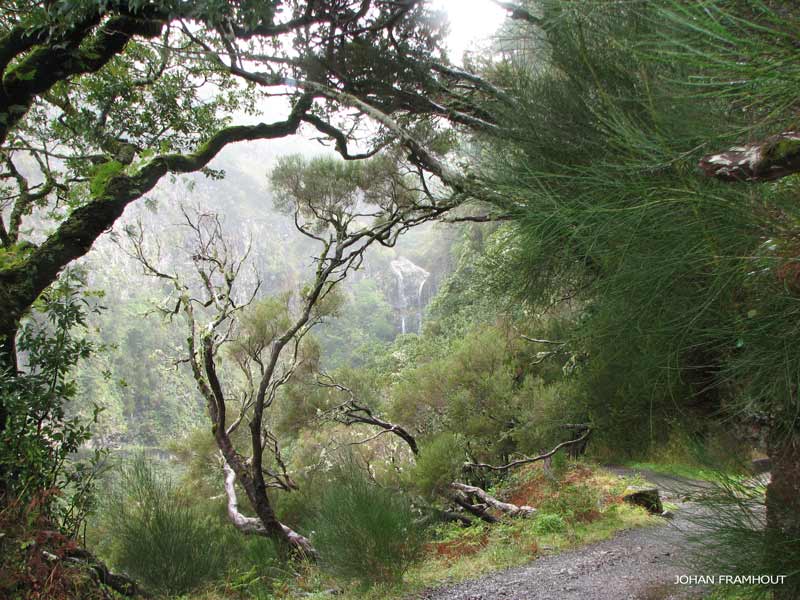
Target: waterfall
[(408, 300)]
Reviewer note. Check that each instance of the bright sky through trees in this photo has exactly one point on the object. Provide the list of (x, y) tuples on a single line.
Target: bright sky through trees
[(471, 23)]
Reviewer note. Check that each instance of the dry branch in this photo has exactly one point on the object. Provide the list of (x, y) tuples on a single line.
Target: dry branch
[(352, 412), (529, 459), (773, 158), (506, 507)]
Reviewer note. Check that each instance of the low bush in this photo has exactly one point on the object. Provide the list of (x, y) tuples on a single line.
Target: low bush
[(159, 538), (364, 532), (576, 502), (438, 464), (546, 523)]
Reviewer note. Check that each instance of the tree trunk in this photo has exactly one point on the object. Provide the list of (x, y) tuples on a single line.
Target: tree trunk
[(256, 525), (257, 494), (783, 511)]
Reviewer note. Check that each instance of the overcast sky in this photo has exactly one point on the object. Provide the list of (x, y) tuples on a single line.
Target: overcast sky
[(471, 23)]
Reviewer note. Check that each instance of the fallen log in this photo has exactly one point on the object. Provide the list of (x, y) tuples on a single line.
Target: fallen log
[(505, 507), (471, 508)]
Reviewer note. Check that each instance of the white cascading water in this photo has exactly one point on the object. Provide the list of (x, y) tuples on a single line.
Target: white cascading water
[(408, 301)]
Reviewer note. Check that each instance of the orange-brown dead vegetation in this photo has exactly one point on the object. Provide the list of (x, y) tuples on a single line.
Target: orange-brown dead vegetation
[(533, 490), (32, 557), (453, 549)]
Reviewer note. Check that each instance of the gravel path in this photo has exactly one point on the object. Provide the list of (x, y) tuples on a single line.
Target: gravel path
[(637, 564)]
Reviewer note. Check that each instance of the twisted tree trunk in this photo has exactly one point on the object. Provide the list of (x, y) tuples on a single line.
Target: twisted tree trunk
[(253, 525)]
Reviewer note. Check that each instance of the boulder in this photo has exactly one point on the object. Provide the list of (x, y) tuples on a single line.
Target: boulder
[(646, 497)]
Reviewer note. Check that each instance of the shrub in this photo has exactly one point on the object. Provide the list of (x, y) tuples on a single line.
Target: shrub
[(438, 464), (159, 538), (559, 464), (547, 523), (364, 532), (40, 439), (573, 502)]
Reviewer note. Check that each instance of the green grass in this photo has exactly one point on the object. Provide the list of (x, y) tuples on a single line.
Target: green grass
[(517, 543)]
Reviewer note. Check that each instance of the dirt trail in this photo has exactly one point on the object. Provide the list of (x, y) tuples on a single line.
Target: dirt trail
[(637, 564)]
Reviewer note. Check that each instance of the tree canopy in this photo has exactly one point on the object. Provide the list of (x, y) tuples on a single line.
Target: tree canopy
[(101, 100)]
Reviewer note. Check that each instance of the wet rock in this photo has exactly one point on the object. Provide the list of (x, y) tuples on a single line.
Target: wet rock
[(646, 497)]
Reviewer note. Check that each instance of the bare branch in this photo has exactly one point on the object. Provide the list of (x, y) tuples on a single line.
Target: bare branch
[(351, 412), (541, 341), (526, 460), (510, 509), (477, 219)]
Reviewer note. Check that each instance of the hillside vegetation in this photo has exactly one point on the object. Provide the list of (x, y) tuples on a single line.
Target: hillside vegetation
[(294, 304)]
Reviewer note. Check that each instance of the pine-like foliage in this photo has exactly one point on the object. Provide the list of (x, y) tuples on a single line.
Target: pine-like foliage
[(362, 531), (688, 288), (689, 285), (158, 536)]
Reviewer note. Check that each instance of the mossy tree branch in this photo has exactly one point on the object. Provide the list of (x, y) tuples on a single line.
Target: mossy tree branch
[(49, 64), (23, 281)]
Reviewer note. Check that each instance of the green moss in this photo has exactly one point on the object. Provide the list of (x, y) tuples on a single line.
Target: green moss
[(22, 71), (102, 174), (782, 149), (15, 256)]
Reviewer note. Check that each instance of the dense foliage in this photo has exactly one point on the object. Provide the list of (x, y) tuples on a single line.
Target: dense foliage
[(684, 283), (364, 531), (628, 281), (38, 444)]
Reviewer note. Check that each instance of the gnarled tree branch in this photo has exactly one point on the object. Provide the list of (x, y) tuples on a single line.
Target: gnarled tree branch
[(510, 509), (531, 459), (253, 525), (21, 284)]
